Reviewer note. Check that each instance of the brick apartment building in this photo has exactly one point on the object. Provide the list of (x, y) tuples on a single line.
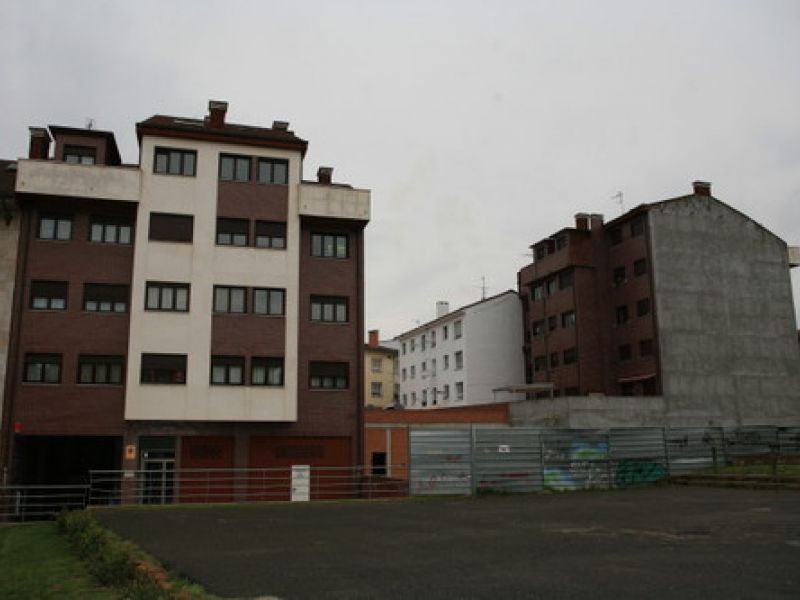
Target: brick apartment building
[(202, 308), (686, 298)]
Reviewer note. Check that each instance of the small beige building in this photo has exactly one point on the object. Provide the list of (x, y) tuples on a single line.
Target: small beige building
[(380, 372)]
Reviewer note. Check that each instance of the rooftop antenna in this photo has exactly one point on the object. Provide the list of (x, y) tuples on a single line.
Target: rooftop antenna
[(89, 123), (618, 198), (483, 288)]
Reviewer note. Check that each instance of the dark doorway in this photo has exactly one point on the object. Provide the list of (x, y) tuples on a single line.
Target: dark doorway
[(61, 460), (379, 463)]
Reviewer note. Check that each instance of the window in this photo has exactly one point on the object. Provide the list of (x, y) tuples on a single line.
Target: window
[(446, 392), (552, 323), (376, 365), (404, 373), (172, 161), (232, 232), (234, 168), (539, 363), (422, 342), (329, 309), (434, 396), (413, 398), (433, 339), (266, 371), (640, 267), (227, 370), (170, 228), (550, 286), (80, 155), (424, 397), (540, 251), (637, 227), (105, 230), (568, 319), (403, 348), (457, 330), (55, 228), (329, 245), (444, 332), (615, 236), (570, 356), (163, 368), (329, 376), (413, 344), (446, 362), (269, 301), (167, 296), (459, 357), (643, 307), (100, 369), (102, 297), (270, 235), (49, 295), (553, 360), (646, 348), (42, 368), (459, 390), (230, 299), (618, 276), (624, 352), (622, 314), (537, 328), (537, 292), (405, 399), (273, 170), (413, 371), (376, 389), (424, 367), (566, 279)]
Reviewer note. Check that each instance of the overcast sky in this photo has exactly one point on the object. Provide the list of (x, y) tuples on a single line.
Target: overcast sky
[(480, 127)]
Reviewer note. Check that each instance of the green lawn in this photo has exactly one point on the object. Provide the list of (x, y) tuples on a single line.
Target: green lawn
[(36, 562)]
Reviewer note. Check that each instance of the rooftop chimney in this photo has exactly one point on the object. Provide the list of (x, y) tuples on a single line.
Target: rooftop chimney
[(324, 174), (596, 221), (216, 113), (582, 221), (373, 338), (280, 125), (442, 308), (701, 188), (40, 143)]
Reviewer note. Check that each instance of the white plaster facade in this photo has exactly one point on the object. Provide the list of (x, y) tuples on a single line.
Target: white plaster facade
[(490, 349)]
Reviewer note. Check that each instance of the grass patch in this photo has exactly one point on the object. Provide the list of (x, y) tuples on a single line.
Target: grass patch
[(36, 562), (121, 564)]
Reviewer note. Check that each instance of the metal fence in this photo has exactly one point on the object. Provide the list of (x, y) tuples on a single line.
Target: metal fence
[(517, 459), (37, 502)]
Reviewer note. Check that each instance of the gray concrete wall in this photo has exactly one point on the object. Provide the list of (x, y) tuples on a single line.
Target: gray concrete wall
[(727, 331), (9, 237)]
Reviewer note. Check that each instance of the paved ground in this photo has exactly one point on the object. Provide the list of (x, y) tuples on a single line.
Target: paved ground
[(666, 542)]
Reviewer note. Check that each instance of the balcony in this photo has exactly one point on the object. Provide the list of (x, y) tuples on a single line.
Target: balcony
[(334, 202), (50, 178)]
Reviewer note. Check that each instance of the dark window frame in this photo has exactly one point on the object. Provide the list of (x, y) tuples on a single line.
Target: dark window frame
[(640, 267), (267, 362), (42, 359), (80, 152), (235, 227), (643, 307), (173, 287), (46, 290), (108, 362), (228, 291), (57, 220), (171, 227), (622, 314), (269, 297), (227, 363), (330, 376), (236, 159), (169, 375), (570, 356), (272, 162), (169, 154), (568, 319), (320, 246), (271, 232), (334, 303), (113, 294), (118, 223)]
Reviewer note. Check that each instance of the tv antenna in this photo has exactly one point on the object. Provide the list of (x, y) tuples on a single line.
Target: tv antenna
[(618, 198), (483, 288)]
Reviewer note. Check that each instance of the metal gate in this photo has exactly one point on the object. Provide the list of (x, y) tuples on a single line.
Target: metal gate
[(507, 460), (440, 461)]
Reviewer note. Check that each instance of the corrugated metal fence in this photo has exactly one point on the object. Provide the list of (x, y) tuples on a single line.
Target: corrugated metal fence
[(517, 459)]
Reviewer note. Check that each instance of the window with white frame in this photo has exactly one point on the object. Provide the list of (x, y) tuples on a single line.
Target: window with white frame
[(376, 389), (376, 364)]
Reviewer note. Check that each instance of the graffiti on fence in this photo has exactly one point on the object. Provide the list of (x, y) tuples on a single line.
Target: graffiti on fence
[(441, 483), (632, 472), (587, 467)]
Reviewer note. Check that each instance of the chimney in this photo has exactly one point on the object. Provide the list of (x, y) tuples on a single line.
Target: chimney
[(216, 113), (596, 221), (280, 125), (442, 308), (702, 188), (582, 221), (324, 174), (373, 338), (40, 143)]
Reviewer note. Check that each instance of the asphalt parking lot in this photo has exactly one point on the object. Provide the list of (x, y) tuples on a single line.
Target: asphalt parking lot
[(664, 542)]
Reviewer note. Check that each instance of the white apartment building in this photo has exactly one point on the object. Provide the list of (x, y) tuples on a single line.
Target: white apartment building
[(461, 357)]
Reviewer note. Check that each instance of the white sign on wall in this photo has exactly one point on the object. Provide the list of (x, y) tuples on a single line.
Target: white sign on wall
[(301, 483)]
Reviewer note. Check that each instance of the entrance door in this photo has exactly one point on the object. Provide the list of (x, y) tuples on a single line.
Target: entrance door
[(159, 480)]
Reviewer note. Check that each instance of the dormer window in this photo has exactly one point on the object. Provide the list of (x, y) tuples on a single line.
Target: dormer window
[(80, 155)]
